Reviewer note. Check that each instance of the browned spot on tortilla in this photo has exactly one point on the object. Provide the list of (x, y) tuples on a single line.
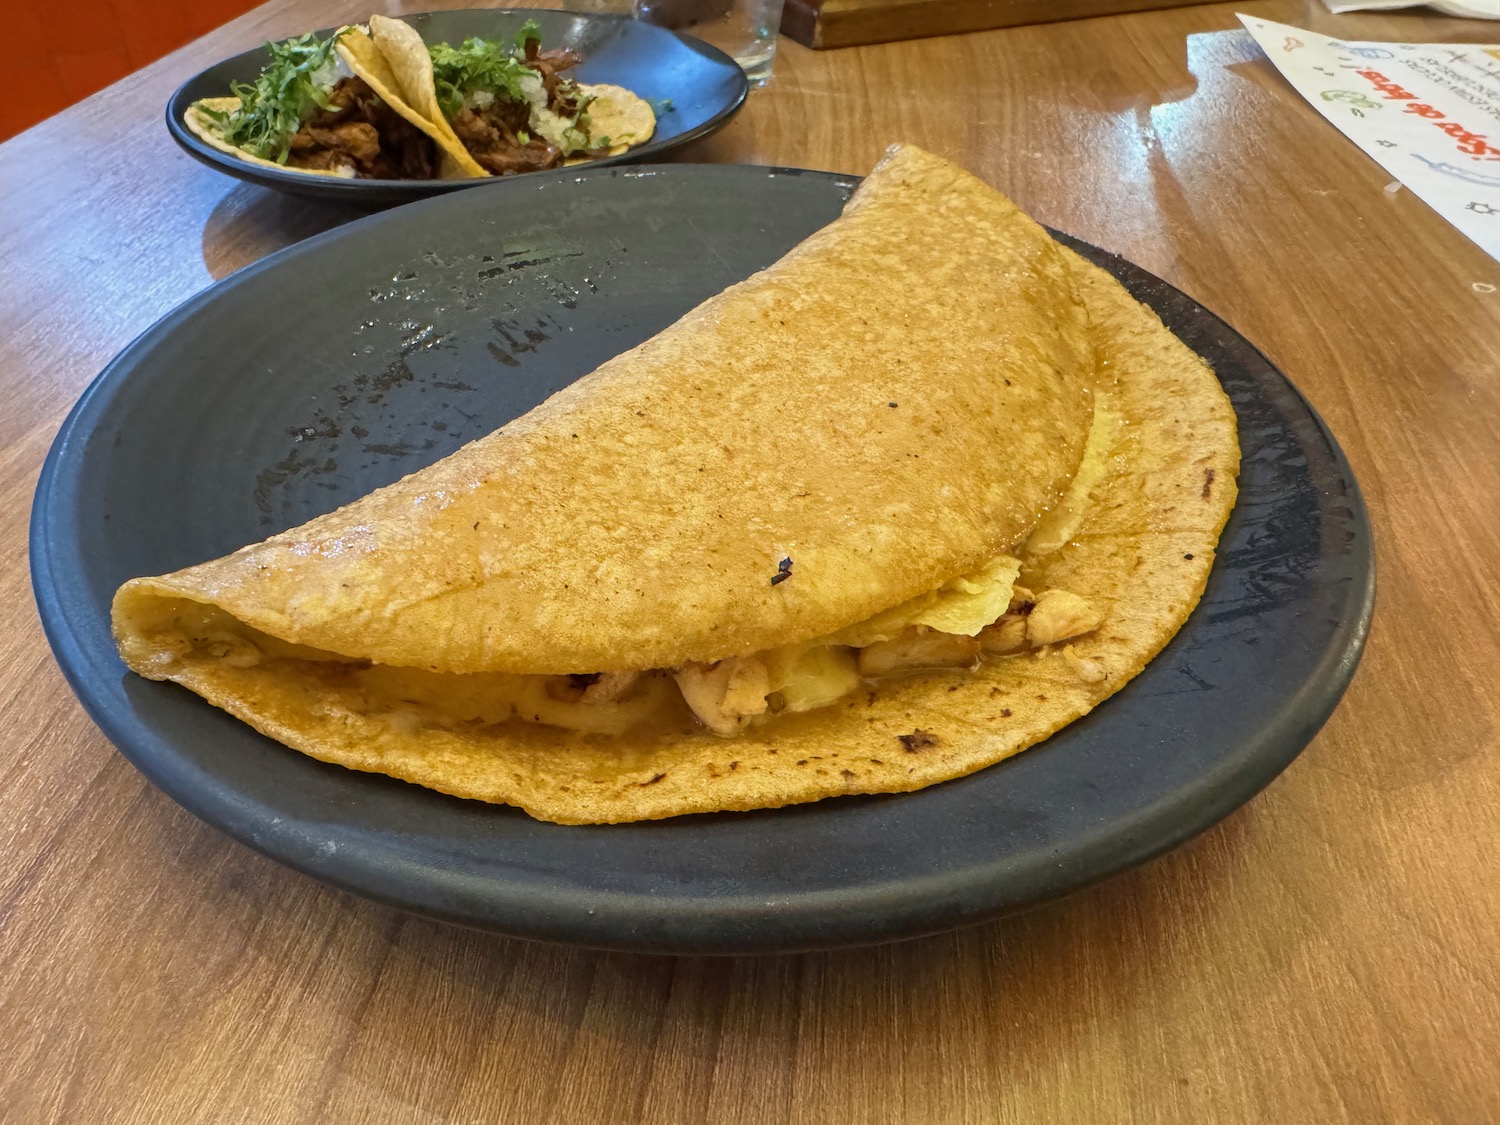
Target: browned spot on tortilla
[(734, 765), (1208, 482), (1005, 712), (847, 775), (653, 781), (917, 741)]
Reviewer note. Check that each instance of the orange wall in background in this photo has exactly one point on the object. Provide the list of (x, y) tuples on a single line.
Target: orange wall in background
[(58, 52)]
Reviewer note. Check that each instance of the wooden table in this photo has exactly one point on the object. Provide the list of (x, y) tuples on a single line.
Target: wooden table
[(1328, 954)]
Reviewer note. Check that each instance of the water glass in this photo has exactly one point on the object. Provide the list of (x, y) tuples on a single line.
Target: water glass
[(743, 29)]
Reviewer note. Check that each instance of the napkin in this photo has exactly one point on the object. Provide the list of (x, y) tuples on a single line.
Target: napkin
[(1464, 9)]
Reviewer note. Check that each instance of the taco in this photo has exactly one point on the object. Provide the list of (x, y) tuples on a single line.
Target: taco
[(325, 106), (499, 107), (866, 521)]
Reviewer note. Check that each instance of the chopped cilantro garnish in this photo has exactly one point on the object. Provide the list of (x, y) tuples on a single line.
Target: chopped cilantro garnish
[(481, 64), (274, 106)]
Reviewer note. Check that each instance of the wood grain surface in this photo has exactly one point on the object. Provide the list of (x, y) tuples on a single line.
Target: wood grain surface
[(850, 23), (1328, 954)]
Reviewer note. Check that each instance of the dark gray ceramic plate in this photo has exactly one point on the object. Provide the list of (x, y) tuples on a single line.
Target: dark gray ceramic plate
[(705, 87), (339, 365)]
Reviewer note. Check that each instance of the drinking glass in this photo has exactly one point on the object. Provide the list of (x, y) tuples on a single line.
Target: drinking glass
[(743, 29)]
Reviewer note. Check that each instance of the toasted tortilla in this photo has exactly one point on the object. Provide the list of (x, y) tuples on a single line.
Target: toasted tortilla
[(409, 66), (206, 129), (618, 114), (887, 435), (636, 518)]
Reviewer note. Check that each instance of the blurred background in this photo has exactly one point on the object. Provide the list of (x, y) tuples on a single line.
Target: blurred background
[(58, 53)]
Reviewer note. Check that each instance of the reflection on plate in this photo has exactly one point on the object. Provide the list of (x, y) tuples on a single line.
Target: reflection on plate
[(703, 86), (370, 351)]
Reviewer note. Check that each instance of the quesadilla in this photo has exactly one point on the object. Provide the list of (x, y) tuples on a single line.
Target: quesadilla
[(863, 522)]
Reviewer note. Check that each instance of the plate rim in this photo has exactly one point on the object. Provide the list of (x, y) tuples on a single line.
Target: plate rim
[(356, 190), (1214, 793)]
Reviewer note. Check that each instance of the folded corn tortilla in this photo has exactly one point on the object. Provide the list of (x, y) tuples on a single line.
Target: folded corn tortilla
[(867, 428), (614, 112)]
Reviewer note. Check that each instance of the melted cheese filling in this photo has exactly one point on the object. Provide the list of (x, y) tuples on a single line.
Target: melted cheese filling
[(980, 614)]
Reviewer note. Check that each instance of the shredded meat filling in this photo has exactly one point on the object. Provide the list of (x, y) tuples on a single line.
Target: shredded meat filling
[(359, 134), (499, 136), (492, 136), (550, 65)]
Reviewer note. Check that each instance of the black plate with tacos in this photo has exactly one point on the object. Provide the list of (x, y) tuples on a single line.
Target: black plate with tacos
[(390, 110)]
